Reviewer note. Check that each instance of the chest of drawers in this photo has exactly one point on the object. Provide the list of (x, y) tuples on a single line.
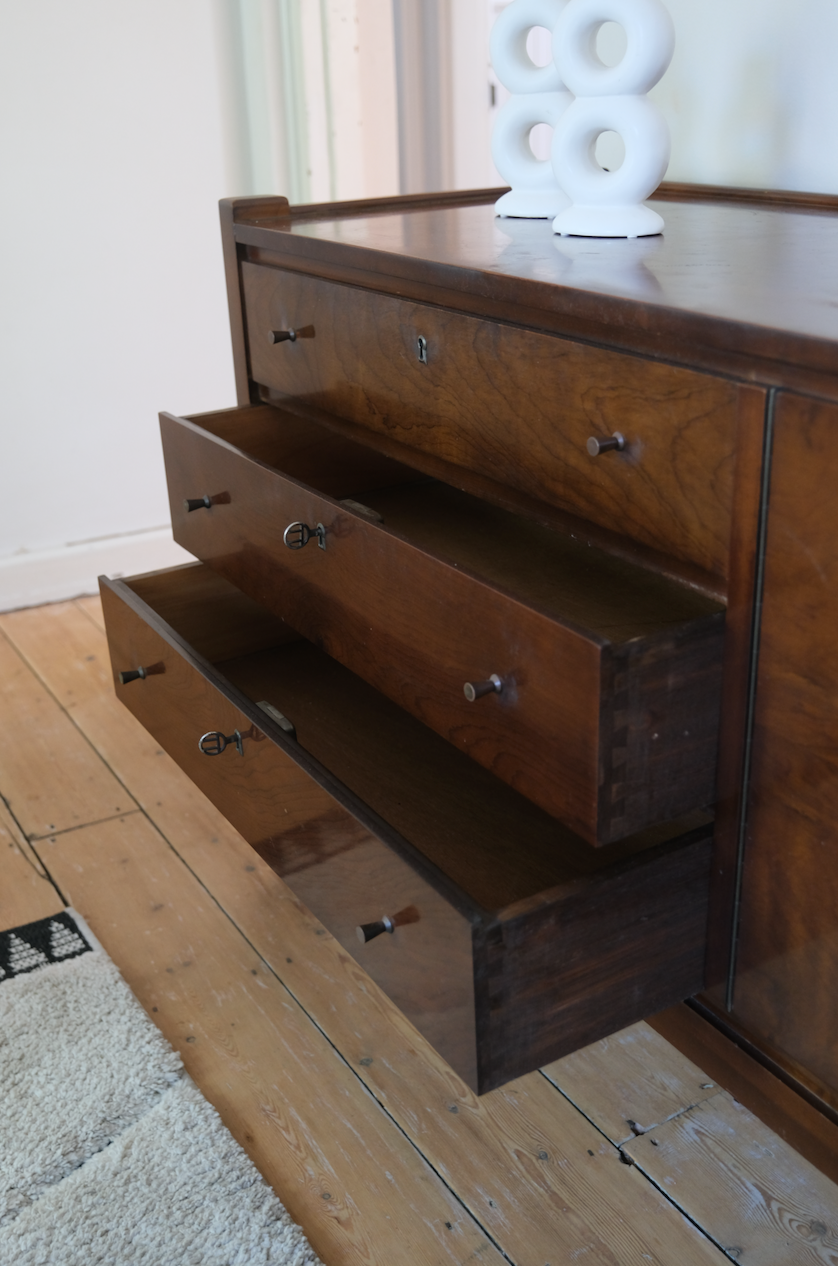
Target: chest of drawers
[(466, 654)]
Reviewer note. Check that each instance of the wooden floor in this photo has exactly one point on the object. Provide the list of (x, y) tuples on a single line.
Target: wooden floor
[(624, 1154)]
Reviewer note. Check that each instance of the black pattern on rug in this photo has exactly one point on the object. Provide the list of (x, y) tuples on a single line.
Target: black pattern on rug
[(34, 945)]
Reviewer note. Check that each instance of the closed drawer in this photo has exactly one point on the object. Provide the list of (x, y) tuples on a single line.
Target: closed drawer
[(610, 676), (515, 405), (514, 943)]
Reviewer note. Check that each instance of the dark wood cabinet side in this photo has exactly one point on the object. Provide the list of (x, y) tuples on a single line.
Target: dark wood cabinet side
[(754, 403), (787, 956), (275, 209)]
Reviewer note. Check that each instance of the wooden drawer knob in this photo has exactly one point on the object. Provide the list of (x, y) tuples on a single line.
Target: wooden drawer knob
[(196, 503), (599, 444), (477, 689), (282, 336)]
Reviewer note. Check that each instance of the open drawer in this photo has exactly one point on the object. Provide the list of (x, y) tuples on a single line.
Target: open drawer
[(595, 683), (501, 935)]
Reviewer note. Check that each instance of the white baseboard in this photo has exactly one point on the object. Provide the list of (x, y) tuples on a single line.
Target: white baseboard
[(29, 580)]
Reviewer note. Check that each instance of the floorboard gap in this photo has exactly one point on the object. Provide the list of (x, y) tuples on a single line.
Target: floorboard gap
[(629, 1160), (45, 869)]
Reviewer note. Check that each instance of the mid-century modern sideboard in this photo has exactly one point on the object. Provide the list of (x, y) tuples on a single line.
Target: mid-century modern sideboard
[(510, 646)]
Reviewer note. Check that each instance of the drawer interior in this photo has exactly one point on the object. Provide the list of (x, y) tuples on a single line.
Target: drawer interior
[(556, 572), (468, 823)]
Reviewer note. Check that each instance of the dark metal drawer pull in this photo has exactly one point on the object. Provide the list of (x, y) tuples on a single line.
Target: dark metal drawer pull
[(196, 503), (282, 336), (140, 674), (369, 931), (477, 689), (133, 674), (296, 535), (214, 742), (597, 445)]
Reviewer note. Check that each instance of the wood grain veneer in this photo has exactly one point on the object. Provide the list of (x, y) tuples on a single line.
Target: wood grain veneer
[(608, 717), (788, 933), (511, 404), (535, 949), (712, 293)]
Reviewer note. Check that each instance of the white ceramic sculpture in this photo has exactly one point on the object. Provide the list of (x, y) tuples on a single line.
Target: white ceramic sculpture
[(538, 96), (611, 99)]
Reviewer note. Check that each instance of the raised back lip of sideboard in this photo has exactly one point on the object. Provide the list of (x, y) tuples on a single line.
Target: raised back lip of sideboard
[(749, 336)]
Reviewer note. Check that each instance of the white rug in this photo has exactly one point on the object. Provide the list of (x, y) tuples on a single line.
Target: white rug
[(108, 1152)]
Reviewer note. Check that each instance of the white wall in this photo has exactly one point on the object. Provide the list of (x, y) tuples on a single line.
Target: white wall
[(752, 93), (113, 302), (751, 96), (123, 122), (121, 125)]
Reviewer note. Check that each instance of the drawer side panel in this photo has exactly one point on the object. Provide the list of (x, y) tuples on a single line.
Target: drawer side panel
[(342, 871)]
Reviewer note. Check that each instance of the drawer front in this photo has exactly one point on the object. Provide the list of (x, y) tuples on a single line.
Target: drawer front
[(412, 625), (335, 862), (515, 405)]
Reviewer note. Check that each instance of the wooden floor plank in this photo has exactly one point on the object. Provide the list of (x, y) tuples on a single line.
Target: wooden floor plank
[(787, 1113), (344, 1171), (52, 781), (757, 1197), (26, 893), (544, 1182), (630, 1082), (92, 608)]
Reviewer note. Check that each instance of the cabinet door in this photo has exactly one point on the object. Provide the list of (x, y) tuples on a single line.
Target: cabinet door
[(787, 961)]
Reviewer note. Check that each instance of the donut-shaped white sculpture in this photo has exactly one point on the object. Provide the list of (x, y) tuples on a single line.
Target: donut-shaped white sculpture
[(535, 193), (609, 203), (508, 46), (611, 99), (650, 43)]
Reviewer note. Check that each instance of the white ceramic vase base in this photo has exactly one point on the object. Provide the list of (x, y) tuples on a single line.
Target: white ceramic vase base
[(581, 99), (535, 192), (630, 221), (532, 204)]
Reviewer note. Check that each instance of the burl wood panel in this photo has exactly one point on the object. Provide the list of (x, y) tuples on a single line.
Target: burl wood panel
[(608, 717), (785, 991), (512, 404), (344, 872)]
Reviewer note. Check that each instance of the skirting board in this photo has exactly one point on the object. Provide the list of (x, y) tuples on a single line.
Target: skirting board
[(30, 580)]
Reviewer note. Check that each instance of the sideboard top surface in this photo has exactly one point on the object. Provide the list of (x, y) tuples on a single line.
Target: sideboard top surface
[(730, 286)]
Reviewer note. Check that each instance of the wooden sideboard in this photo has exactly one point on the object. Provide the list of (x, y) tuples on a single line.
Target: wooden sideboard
[(508, 646)]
